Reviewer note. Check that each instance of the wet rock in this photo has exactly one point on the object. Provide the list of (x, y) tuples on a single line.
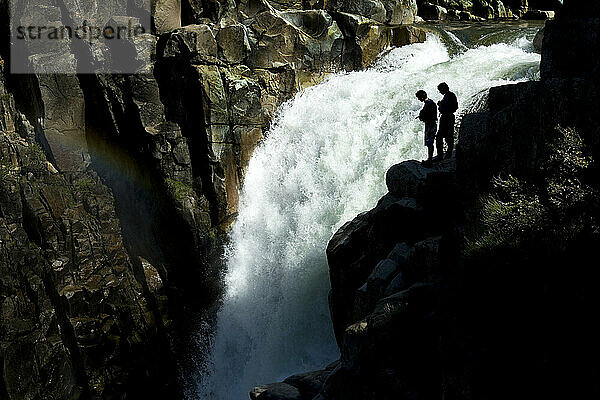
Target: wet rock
[(196, 42), (365, 39), (233, 43), (394, 12), (380, 276), (433, 12), (297, 39), (166, 15), (410, 178), (310, 383), (73, 317), (538, 15), (64, 124), (538, 40), (275, 391)]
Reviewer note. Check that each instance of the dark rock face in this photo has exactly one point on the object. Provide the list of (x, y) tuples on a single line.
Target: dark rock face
[(511, 134), (487, 9), (432, 12), (386, 11), (407, 216), (78, 319)]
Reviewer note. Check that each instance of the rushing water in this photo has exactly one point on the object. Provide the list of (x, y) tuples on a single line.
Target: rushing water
[(324, 161)]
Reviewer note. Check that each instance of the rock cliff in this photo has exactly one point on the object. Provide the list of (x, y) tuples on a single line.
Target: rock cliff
[(478, 10), (471, 280), (117, 189)]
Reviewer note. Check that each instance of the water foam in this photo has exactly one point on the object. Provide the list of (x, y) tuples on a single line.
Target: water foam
[(322, 162)]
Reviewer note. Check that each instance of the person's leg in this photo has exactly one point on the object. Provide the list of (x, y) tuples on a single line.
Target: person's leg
[(430, 152), (448, 122), (439, 144), (439, 140), (450, 143)]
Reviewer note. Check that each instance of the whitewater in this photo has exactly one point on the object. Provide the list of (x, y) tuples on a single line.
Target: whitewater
[(322, 162)]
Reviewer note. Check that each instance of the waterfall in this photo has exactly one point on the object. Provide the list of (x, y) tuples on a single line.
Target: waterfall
[(323, 162)]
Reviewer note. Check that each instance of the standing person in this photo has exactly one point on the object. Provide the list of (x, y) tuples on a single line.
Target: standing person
[(448, 106), (429, 116)]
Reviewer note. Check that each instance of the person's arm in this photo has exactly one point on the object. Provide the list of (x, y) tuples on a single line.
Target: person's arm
[(423, 113), (454, 103)]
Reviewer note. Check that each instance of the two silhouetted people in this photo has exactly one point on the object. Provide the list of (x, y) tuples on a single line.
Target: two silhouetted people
[(447, 107)]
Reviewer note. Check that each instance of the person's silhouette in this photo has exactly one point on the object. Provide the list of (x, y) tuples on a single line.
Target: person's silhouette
[(447, 106), (429, 116)]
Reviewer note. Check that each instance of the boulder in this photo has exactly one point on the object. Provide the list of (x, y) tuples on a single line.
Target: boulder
[(392, 12), (350, 263), (233, 43), (275, 391), (424, 262), (194, 42), (553, 5), (578, 47), (365, 39), (538, 40), (166, 15), (409, 178), (64, 121), (538, 15), (432, 12), (309, 40), (381, 275), (310, 383)]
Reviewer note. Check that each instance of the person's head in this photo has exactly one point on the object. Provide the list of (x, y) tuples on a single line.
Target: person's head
[(443, 88), (421, 95)]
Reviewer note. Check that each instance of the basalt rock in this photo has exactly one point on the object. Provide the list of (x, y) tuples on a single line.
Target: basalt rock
[(275, 391), (506, 137), (538, 40), (166, 15), (470, 10), (77, 319), (308, 40), (429, 12), (409, 214), (393, 12), (538, 15), (365, 39)]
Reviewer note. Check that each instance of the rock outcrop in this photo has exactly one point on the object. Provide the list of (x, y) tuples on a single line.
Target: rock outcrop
[(469, 10), (79, 319)]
